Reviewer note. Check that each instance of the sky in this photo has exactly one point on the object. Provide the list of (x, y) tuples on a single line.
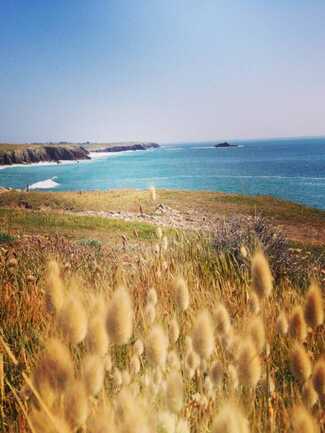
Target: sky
[(161, 70)]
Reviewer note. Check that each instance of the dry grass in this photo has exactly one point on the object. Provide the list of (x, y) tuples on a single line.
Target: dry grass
[(241, 376)]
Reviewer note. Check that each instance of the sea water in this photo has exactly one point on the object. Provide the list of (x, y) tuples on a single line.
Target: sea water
[(292, 169)]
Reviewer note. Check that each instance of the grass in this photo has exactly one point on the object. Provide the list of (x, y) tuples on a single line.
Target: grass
[(291, 217), (89, 274), (73, 226)]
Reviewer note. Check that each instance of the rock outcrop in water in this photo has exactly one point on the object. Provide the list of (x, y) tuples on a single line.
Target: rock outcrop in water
[(23, 154), (225, 144), (122, 147)]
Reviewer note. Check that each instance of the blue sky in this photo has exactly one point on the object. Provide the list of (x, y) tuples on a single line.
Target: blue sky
[(163, 70)]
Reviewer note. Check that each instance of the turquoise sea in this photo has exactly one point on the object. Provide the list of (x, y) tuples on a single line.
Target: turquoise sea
[(293, 169)]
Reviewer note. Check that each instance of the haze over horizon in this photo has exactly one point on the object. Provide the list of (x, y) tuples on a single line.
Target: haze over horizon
[(160, 70)]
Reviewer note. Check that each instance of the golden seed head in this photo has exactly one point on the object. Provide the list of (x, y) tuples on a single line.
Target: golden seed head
[(182, 298), (233, 376), (297, 325), (42, 423), (93, 372), (119, 319), (216, 373), (248, 364), (76, 405), (174, 392), (152, 297), (173, 331), (166, 422), (150, 314), (318, 377), (55, 367), (192, 360), (117, 378), (256, 331), (282, 324), (159, 232), (302, 421), (203, 335), (126, 378), (97, 338), (54, 287), (153, 194), (135, 365), (138, 347), (230, 419), (314, 308), (261, 276), (72, 321), (173, 361), (254, 303), (309, 395), (156, 346), (300, 364), (222, 320), (164, 244), (188, 344)]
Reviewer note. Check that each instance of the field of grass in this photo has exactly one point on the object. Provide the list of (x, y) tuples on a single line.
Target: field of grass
[(300, 223), (108, 325)]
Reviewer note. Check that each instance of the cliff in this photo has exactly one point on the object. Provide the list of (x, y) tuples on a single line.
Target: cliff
[(26, 154), (121, 147)]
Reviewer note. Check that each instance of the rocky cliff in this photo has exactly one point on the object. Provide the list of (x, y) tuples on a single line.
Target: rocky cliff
[(121, 147), (25, 155)]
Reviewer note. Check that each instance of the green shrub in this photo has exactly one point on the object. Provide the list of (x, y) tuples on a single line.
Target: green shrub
[(5, 238)]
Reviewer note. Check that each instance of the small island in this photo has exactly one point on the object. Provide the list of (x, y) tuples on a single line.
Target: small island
[(225, 144)]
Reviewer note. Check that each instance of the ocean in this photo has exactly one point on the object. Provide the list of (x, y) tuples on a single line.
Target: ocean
[(292, 169)]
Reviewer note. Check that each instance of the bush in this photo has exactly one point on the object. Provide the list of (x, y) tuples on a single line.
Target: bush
[(94, 243), (5, 238)]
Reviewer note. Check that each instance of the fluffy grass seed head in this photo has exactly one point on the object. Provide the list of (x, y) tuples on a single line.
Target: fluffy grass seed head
[(173, 361), (117, 378), (314, 308), (153, 194), (229, 419), (54, 287), (156, 346), (309, 395), (76, 405), (222, 320), (135, 365), (318, 378), (216, 373), (300, 363), (297, 324), (55, 367), (181, 293), (97, 338), (174, 392), (192, 360), (248, 363), (138, 347), (282, 324), (253, 303), (261, 275), (72, 320), (173, 331), (302, 421), (150, 314), (256, 331), (93, 372), (119, 319), (159, 233), (203, 335), (152, 297)]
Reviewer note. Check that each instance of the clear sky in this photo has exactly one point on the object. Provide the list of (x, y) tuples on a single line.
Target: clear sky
[(163, 70)]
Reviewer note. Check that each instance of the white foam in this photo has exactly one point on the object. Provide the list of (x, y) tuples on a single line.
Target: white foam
[(39, 164), (44, 184)]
